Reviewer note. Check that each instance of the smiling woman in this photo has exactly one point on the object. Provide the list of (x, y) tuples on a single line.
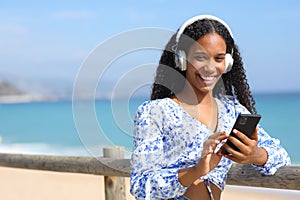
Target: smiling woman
[(200, 88)]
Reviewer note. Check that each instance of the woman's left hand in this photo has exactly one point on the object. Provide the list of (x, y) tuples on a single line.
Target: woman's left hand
[(249, 151)]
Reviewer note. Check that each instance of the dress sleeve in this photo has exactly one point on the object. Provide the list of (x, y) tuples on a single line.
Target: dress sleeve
[(277, 155), (151, 178)]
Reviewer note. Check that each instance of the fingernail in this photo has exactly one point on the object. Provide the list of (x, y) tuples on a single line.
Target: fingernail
[(235, 131)]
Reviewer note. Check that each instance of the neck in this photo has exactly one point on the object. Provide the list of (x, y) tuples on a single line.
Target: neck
[(203, 103), (195, 98)]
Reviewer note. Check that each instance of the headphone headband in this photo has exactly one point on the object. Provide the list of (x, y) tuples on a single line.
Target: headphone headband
[(200, 17)]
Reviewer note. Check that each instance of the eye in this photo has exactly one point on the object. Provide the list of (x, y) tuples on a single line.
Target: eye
[(219, 58), (201, 57)]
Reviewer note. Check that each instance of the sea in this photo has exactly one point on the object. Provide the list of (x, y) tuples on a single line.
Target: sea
[(85, 128)]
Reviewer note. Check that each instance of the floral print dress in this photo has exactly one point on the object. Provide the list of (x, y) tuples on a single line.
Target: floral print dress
[(167, 139)]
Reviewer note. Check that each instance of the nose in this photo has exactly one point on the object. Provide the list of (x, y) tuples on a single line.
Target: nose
[(210, 66)]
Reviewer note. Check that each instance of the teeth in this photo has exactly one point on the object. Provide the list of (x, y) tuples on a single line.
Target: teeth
[(208, 78)]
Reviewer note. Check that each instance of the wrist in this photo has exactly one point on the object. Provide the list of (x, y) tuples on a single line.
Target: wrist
[(202, 168), (261, 157)]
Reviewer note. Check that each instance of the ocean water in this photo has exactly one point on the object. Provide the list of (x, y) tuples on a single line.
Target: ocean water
[(50, 128)]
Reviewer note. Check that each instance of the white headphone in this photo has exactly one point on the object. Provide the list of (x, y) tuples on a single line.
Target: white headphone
[(180, 56)]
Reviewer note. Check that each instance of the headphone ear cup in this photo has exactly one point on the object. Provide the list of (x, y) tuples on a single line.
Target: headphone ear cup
[(228, 62), (180, 60)]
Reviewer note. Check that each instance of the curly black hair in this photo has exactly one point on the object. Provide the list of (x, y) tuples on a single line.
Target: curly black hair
[(170, 80)]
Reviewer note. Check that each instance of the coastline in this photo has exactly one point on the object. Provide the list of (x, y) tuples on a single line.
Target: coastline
[(26, 98), (27, 184)]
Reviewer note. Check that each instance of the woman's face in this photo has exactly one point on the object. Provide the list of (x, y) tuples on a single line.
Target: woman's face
[(206, 62)]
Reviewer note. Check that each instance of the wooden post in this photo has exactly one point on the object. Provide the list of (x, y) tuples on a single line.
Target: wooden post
[(114, 185)]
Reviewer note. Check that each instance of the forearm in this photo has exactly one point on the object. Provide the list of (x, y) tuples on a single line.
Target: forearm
[(187, 176), (277, 156)]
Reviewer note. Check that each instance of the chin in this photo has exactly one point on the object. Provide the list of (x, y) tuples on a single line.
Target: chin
[(206, 89)]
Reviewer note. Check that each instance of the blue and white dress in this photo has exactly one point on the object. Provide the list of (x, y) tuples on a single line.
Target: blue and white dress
[(167, 139)]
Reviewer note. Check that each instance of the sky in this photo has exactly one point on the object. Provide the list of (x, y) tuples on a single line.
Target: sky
[(48, 41)]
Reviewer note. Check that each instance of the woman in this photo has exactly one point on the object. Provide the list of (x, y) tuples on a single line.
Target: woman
[(200, 88)]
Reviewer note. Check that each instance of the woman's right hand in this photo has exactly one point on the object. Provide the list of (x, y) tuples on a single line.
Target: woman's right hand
[(209, 160)]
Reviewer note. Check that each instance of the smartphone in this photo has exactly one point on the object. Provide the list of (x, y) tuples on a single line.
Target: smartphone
[(245, 123)]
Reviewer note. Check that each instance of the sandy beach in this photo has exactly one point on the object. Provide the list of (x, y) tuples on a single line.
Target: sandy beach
[(16, 184)]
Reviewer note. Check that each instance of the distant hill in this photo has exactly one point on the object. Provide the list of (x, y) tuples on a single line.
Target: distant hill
[(10, 93), (7, 89)]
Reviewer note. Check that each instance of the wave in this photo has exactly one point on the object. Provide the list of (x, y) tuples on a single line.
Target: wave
[(47, 149), (42, 149)]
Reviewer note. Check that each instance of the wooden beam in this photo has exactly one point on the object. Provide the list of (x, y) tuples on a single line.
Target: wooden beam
[(244, 175), (75, 164)]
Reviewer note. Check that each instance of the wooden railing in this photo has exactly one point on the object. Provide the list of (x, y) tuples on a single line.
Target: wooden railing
[(244, 175)]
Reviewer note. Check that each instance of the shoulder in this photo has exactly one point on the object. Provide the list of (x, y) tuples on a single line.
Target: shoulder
[(228, 100), (156, 112), (156, 106), (232, 104)]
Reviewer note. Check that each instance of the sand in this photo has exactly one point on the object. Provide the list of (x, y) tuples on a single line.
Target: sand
[(254, 193), (23, 184)]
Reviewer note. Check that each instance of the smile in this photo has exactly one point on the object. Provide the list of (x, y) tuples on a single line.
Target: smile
[(208, 79)]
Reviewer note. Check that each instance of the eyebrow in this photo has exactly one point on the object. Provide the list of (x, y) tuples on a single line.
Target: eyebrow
[(202, 53)]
